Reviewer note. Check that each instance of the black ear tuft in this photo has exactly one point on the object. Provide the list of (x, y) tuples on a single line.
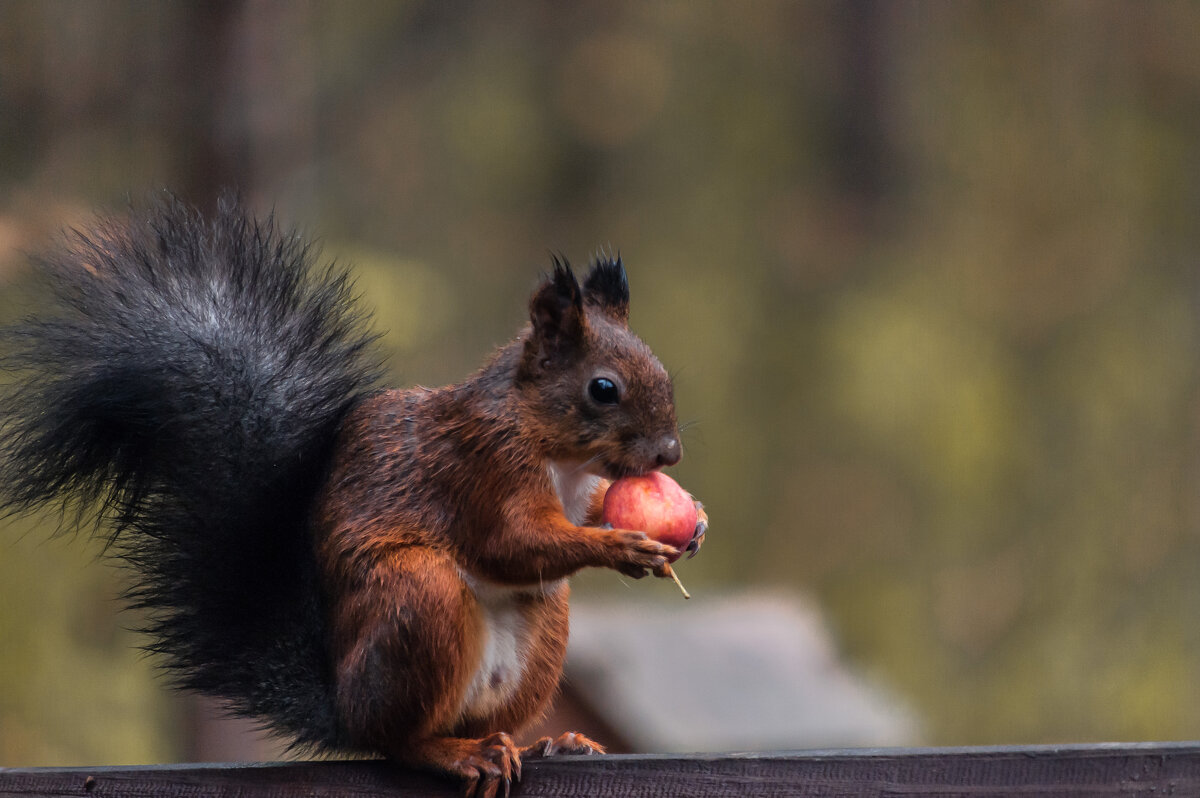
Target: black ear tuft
[(564, 282), (556, 310), (607, 287)]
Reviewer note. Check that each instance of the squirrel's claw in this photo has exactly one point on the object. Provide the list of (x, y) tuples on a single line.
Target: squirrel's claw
[(693, 546)]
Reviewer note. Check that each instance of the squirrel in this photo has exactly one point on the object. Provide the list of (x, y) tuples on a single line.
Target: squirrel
[(363, 570)]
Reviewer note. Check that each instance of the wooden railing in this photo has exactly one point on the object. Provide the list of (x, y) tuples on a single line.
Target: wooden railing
[(1134, 769)]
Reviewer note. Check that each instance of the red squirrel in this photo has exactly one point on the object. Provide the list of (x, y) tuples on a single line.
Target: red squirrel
[(362, 570)]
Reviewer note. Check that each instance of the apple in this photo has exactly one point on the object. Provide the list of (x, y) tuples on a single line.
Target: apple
[(655, 504)]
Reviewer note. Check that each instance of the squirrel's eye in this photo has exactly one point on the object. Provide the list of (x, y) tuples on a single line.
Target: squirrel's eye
[(603, 391)]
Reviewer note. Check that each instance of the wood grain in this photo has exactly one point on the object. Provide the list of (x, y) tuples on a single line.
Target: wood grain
[(1134, 769)]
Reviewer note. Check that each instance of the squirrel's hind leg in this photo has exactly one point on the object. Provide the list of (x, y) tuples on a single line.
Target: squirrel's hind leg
[(488, 764), (485, 765), (566, 743)]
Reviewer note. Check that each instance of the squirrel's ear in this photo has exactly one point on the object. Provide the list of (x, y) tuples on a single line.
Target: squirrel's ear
[(607, 287), (556, 310)]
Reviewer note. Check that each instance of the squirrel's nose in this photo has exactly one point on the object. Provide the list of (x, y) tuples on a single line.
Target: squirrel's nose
[(669, 451)]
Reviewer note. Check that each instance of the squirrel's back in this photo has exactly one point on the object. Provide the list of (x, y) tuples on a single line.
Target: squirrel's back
[(188, 381)]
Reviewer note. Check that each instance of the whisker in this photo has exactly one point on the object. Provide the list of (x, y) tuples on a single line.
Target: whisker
[(696, 434)]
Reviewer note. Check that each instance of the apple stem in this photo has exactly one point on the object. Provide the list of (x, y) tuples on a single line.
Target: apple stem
[(682, 589)]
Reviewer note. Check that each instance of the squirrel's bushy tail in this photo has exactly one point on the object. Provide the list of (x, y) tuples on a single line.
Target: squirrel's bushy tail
[(187, 384)]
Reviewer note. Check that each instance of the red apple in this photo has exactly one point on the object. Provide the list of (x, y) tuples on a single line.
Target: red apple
[(655, 504)]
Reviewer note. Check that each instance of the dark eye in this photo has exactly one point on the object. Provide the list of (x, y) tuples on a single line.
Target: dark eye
[(604, 391)]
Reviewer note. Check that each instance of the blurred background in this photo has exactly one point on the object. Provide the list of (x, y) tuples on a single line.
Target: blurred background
[(925, 274)]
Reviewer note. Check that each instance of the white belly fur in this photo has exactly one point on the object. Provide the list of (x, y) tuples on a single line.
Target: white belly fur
[(505, 634), (507, 637), (505, 629)]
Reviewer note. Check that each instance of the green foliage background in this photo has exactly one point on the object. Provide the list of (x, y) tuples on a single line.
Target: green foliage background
[(925, 273)]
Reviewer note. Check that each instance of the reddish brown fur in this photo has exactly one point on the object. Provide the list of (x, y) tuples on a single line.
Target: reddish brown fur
[(436, 495)]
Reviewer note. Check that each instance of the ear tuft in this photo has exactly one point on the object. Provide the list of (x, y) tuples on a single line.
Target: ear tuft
[(562, 277), (607, 287), (556, 310)]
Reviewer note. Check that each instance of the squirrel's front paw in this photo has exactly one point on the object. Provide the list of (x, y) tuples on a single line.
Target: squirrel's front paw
[(633, 553)]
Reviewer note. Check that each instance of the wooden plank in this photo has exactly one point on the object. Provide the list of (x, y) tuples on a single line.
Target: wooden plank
[(1137, 769)]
